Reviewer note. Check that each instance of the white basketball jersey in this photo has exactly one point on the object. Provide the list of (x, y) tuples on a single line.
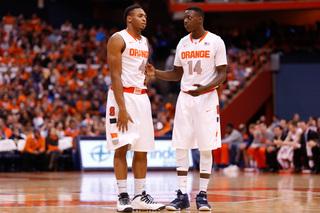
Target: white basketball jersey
[(134, 58), (199, 59)]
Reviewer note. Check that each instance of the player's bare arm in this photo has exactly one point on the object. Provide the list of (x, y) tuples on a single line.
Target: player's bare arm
[(170, 75), (221, 77), (115, 48)]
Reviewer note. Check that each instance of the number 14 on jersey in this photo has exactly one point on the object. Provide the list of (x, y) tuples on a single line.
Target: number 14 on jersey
[(197, 68)]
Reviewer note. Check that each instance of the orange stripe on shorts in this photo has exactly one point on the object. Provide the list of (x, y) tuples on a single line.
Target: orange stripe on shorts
[(216, 134), (114, 135)]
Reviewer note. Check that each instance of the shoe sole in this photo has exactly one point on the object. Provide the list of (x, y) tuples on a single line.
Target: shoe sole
[(171, 208), (128, 209), (204, 208), (158, 209)]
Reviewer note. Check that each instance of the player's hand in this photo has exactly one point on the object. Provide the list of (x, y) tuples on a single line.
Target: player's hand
[(123, 119), (150, 70), (200, 89)]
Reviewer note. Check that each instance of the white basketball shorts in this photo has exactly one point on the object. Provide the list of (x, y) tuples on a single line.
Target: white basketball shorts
[(140, 134), (197, 122)]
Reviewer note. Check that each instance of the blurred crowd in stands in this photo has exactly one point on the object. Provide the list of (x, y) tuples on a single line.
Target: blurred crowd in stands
[(285, 146), (55, 81)]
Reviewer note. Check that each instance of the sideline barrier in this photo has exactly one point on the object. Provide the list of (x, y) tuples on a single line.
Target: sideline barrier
[(92, 154)]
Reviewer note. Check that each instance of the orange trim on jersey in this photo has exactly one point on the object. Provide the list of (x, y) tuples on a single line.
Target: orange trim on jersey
[(134, 90), (203, 37), (210, 90), (200, 38), (131, 35), (114, 135)]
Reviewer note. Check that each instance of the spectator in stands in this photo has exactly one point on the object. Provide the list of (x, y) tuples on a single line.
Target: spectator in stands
[(234, 139), (83, 104), (60, 129), (101, 34), (318, 127), (38, 118), (284, 126), (5, 132), (164, 126), (312, 123), (84, 130), (9, 21), (27, 127), (275, 122), (316, 151), (33, 153), (271, 154), (16, 135), (66, 28), (247, 143), (243, 131), (259, 144), (72, 130), (262, 119), (52, 149), (296, 117), (308, 141), (285, 154)]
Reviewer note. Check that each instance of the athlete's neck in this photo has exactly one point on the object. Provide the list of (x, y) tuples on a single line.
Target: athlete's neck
[(198, 33), (135, 33)]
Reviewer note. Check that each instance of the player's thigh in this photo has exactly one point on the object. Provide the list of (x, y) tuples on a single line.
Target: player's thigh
[(183, 128), (207, 120), (145, 124)]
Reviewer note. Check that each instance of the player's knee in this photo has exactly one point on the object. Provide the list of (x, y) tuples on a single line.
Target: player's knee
[(121, 152), (206, 162), (140, 156), (182, 156)]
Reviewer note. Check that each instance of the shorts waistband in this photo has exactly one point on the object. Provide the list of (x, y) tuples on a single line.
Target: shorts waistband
[(134, 90), (210, 90)]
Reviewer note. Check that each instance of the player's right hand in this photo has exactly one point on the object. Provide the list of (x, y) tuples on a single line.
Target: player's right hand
[(150, 70), (123, 119)]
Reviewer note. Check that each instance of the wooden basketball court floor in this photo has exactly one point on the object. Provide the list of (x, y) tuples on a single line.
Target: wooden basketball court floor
[(96, 191)]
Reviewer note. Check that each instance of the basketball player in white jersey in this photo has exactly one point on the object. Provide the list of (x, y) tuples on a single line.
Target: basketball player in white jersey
[(129, 122), (200, 63)]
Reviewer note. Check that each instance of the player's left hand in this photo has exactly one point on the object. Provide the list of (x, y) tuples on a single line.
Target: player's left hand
[(200, 89)]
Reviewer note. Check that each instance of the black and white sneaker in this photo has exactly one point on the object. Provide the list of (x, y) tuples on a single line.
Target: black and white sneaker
[(202, 202), (123, 203), (181, 202), (144, 202)]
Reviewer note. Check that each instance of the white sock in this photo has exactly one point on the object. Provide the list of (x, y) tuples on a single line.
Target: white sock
[(139, 186), (182, 183), (203, 185), (122, 185)]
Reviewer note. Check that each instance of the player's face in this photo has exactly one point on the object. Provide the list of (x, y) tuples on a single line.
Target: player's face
[(139, 18), (191, 20)]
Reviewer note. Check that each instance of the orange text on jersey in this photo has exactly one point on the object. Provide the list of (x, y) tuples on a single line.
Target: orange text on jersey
[(139, 53), (196, 54)]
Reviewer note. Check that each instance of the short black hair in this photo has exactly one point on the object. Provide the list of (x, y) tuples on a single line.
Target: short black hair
[(230, 125), (129, 9), (278, 126), (197, 9)]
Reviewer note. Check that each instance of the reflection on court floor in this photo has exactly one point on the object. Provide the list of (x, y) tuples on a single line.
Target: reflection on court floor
[(96, 191)]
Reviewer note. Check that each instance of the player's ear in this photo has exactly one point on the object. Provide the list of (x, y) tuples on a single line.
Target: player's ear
[(129, 19)]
